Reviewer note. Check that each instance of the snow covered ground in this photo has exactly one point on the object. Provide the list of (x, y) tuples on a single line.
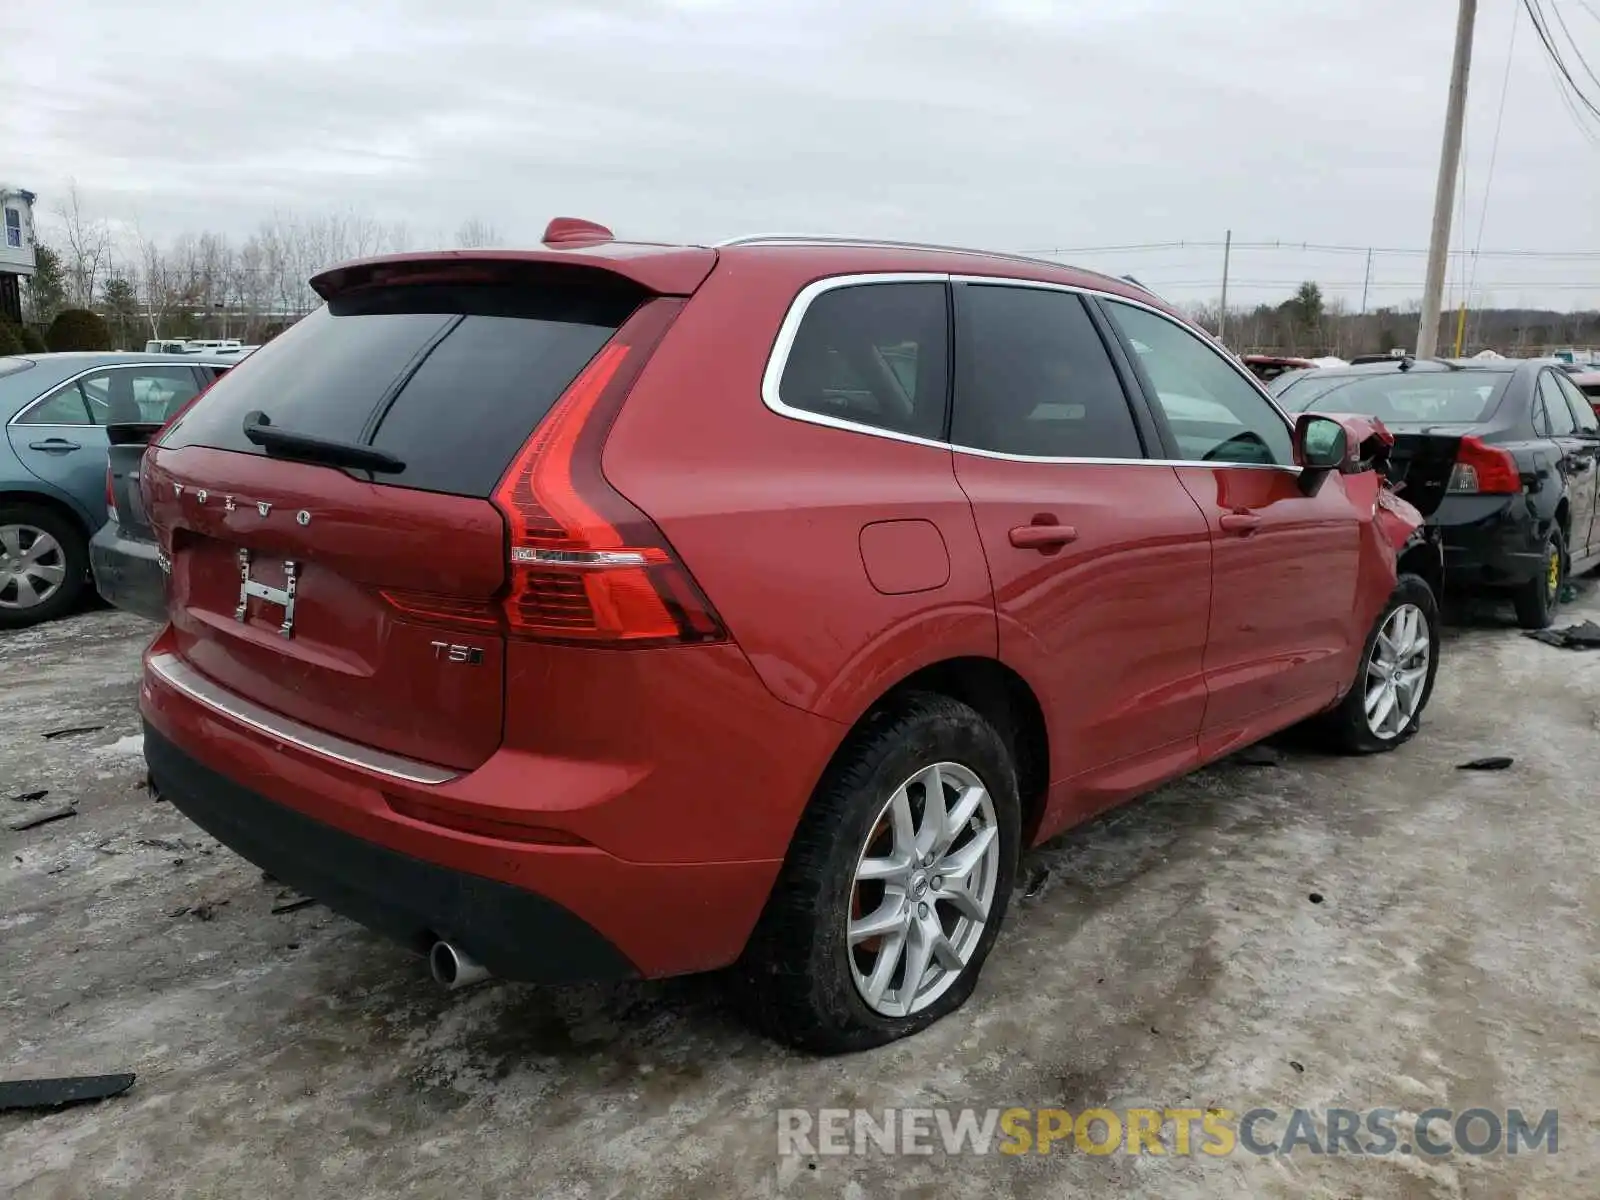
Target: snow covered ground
[(1168, 954)]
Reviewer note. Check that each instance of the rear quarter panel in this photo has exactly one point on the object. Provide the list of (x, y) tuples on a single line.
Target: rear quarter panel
[(767, 512)]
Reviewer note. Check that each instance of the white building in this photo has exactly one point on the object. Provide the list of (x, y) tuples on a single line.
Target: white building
[(16, 249)]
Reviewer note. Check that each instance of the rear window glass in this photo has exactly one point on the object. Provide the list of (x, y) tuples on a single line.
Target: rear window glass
[(1401, 397), (875, 354), (451, 381)]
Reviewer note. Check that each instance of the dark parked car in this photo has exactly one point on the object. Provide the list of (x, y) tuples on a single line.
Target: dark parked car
[(123, 554), (1501, 454), (1588, 382), (56, 409), (605, 611)]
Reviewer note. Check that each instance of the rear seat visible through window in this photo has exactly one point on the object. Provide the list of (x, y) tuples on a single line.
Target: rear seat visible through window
[(874, 354)]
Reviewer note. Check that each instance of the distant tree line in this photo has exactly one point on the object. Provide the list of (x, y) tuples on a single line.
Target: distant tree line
[(200, 284), (1307, 326), (208, 285)]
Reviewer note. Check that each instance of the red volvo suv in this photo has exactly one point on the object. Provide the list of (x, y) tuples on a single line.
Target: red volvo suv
[(615, 610)]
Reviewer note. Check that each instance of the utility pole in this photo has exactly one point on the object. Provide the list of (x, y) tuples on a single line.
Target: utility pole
[(1366, 282), (1222, 316), (1444, 195)]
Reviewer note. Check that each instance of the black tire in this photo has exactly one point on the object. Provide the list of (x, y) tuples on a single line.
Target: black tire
[(1536, 600), (798, 985), (1347, 726), (74, 551)]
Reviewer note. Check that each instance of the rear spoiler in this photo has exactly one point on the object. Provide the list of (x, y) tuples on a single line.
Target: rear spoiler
[(663, 270)]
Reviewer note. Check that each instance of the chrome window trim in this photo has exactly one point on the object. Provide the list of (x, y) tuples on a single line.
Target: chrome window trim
[(181, 677), (772, 376), (49, 393)]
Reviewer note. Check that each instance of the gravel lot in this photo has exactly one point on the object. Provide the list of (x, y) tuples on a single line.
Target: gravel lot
[(1168, 955)]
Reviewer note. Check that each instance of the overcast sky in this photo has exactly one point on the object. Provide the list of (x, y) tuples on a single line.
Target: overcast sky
[(1015, 124)]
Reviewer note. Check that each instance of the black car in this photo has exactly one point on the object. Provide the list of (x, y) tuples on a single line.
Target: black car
[(127, 566), (1500, 454)]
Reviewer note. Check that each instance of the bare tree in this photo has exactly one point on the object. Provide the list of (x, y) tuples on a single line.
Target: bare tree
[(477, 234), (88, 249), (162, 283)]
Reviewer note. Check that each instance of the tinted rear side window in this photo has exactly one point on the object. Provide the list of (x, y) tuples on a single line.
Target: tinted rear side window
[(1582, 410), (1034, 378), (1558, 417), (874, 354), (450, 381)]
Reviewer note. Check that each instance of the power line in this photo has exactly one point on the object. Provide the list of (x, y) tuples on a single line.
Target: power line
[(1572, 90), (1565, 284), (1567, 103), (1562, 21), (1306, 248)]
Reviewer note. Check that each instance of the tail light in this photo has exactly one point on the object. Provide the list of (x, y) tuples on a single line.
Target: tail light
[(111, 496), (586, 565), (1485, 470)]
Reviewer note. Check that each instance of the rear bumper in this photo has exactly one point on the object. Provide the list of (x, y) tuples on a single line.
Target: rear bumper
[(532, 862), (127, 573), (1489, 541), (516, 933)]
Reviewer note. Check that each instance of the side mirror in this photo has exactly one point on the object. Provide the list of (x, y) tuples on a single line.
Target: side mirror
[(1320, 443), (1324, 444)]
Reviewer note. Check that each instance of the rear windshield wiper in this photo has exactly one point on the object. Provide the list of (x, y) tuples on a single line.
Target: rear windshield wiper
[(306, 447)]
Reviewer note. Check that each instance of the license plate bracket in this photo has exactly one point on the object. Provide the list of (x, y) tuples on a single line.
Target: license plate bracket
[(282, 597)]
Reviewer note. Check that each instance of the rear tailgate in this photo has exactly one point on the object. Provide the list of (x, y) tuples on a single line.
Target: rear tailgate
[(124, 462), (1420, 464), (366, 604)]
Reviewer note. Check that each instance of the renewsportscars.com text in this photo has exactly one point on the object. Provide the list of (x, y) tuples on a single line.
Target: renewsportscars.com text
[(1216, 1132)]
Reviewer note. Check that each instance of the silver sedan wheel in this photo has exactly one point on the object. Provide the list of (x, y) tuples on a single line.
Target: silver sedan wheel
[(32, 566), (1397, 671), (923, 890)]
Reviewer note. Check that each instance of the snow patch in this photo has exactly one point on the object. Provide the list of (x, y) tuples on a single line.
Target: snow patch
[(129, 746)]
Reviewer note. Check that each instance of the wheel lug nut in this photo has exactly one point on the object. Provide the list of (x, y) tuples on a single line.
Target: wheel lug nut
[(938, 882), (922, 910)]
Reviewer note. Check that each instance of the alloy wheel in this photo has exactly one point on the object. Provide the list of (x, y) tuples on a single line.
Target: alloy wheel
[(923, 890), (33, 566), (1397, 671)]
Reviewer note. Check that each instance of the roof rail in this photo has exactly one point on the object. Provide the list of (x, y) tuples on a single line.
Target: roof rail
[(828, 239), (1148, 291)]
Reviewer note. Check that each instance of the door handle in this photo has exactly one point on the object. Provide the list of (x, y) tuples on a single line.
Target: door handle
[(54, 446), (1043, 536), (1242, 523)]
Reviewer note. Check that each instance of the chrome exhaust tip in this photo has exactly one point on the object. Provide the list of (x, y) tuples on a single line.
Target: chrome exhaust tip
[(453, 968)]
